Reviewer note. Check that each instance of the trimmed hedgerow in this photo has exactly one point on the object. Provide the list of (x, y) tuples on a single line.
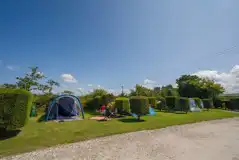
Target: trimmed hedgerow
[(207, 103), (15, 107), (139, 105), (183, 104), (152, 101), (122, 105), (171, 102), (197, 102), (234, 104), (162, 104)]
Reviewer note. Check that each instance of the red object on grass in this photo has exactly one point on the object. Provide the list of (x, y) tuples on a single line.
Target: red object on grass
[(102, 108)]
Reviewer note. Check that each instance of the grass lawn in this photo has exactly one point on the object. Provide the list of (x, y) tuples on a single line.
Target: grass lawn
[(37, 135)]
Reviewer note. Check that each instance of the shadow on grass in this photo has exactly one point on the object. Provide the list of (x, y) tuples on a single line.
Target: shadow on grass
[(4, 135), (131, 120), (42, 118)]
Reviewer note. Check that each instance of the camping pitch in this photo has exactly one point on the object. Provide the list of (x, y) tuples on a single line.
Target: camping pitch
[(64, 108)]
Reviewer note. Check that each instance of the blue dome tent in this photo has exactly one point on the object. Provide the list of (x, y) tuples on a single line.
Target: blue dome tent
[(64, 107)]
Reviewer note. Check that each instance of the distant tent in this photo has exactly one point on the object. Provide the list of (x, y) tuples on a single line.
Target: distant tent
[(64, 107), (193, 106)]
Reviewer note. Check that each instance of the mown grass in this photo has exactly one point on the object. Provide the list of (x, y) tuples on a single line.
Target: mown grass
[(37, 135)]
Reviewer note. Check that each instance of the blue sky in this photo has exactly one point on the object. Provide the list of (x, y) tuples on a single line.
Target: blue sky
[(109, 42)]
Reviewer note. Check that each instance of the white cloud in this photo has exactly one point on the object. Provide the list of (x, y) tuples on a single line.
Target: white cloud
[(68, 78), (150, 84), (90, 85), (99, 86), (229, 80), (40, 73), (12, 68)]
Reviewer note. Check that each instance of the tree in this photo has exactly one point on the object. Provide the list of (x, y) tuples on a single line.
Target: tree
[(51, 83), (30, 81), (194, 86), (168, 90), (68, 92), (141, 91), (98, 92), (7, 85)]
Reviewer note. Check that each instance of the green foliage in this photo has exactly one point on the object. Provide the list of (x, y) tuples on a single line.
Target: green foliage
[(217, 102), (93, 103), (42, 102), (139, 105), (168, 90), (207, 103), (152, 101), (183, 104), (15, 107), (161, 105), (198, 102), (7, 85), (68, 92), (122, 105), (234, 104), (98, 92), (194, 86), (171, 102), (141, 91)]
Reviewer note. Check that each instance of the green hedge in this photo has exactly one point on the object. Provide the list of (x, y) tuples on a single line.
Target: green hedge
[(15, 107), (162, 104), (152, 101), (197, 102), (139, 105), (171, 102), (207, 103), (122, 105), (182, 104), (234, 104), (42, 102)]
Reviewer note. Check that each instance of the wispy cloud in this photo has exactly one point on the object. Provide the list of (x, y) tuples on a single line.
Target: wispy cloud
[(68, 78), (12, 68), (90, 85)]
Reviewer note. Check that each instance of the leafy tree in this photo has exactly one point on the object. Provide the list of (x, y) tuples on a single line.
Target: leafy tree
[(51, 83), (157, 91), (194, 86), (98, 92), (141, 91), (7, 85), (30, 81), (168, 90), (68, 92)]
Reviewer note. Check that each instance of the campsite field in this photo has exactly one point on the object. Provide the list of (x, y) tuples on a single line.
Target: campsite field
[(37, 135)]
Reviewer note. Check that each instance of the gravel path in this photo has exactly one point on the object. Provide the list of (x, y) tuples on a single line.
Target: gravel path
[(213, 140)]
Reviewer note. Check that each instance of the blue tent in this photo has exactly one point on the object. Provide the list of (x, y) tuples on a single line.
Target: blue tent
[(64, 107)]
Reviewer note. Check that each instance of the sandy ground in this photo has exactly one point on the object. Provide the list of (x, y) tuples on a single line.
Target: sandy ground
[(212, 140)]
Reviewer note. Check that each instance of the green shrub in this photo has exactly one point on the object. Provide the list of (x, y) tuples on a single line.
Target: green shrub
[(207, 103), (152, 101), (162, 104), (139, 105), (183, 104), (122, 105), (197, 102), (234, 104), (226, 104), (42, 102), (15, 108), (171, 102), (217, 102)]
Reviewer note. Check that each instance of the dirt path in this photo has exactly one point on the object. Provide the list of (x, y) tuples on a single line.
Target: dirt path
[(213, 140)]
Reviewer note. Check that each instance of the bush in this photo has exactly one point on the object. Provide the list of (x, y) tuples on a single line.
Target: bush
[(197, 102), (15, 108), (122, 105), (217, 102), (234, 104), (226, 104), (207, 103), (171, 102), (183, 104), (162, 104), (152, 101), (94, 103), (42, 102), (139, 105)]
